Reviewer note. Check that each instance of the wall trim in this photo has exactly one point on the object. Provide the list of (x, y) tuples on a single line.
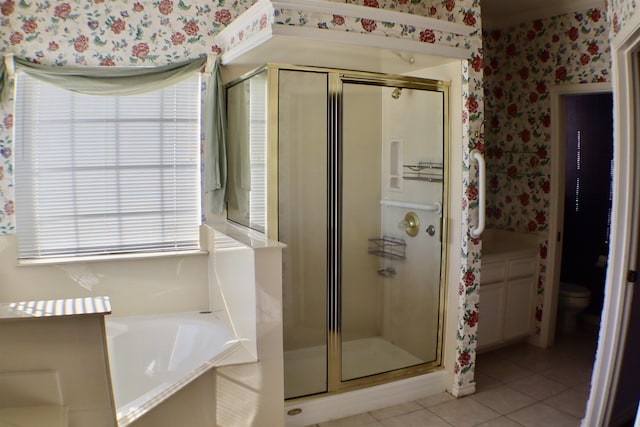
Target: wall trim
[(385, 15), (465, 390)]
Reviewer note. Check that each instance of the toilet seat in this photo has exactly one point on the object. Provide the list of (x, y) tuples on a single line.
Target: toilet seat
[(573, 290)]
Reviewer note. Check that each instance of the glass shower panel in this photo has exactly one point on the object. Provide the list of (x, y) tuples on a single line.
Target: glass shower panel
[(302, 225), (392, 189), (246, 153)]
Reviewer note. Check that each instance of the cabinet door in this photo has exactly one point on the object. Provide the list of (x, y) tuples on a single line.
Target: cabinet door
[(519, 310), (493, 272), (521, 267), (491, 315)]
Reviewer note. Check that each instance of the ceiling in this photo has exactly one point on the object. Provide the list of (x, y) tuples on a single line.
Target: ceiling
[(502, 13)]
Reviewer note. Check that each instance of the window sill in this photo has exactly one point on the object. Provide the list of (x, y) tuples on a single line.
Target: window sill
[(107, 258)]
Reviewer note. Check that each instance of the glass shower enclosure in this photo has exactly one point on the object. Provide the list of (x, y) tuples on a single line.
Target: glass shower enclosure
[(349, 170)]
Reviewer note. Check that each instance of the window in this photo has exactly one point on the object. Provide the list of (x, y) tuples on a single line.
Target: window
[(99, 175)]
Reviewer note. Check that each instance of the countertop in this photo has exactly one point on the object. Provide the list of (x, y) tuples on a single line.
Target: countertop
[(497, 244)]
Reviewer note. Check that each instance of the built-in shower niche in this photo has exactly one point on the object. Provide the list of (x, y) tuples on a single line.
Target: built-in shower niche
[(362, 298)]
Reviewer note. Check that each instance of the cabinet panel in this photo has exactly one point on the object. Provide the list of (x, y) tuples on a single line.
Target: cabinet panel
[(522, 267), (493, 272), (519, 308), (491, 315)]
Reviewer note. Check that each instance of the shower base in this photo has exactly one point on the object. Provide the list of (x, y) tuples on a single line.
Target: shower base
[(305, 369)]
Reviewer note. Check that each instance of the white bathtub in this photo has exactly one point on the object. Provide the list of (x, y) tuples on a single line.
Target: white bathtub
[(152, 357)]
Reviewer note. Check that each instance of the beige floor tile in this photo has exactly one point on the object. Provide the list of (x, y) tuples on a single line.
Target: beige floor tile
[(569, 374), (435, 399), (422, 418), (393, 411), (500, 422), (506, 380), (521, 351), (537, 386), (541, 415), (584, 387), (361, 420), (494, 355), (464, 412), (503, 399), (541, 360), (572, 401), (504, 371), (485, 382)]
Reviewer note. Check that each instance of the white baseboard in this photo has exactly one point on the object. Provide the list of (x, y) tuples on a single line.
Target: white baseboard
[(466, 390)]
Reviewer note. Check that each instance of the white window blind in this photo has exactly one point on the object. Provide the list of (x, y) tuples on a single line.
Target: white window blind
[(101, 175)]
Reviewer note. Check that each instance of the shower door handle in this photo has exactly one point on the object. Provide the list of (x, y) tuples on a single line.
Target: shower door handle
[(476, 232)]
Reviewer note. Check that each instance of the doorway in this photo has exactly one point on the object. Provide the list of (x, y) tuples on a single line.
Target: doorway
[(552, 276), (588, 167)]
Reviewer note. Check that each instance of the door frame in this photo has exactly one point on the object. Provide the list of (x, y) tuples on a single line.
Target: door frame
[(623, 248), (556, 210)]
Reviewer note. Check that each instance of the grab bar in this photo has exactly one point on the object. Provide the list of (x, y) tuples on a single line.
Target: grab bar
[(436, 207), (476, 232)]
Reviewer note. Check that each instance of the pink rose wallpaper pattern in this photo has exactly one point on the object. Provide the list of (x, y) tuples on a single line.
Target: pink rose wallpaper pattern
[(522, 64)]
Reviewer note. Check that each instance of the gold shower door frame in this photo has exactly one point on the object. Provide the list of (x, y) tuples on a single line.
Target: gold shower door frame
[(336, 79)]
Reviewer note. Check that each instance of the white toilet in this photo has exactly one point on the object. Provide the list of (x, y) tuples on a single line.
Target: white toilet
[(573, 300)]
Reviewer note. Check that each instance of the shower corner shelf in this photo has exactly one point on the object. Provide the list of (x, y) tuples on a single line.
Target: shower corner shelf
[(423, 171), (388, 247)]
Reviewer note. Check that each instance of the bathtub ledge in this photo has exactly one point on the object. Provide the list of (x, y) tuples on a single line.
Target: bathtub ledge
[(244, 235), (96, 306)]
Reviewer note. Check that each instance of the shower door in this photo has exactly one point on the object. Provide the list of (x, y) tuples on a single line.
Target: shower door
[(302, 225), (392, 165)]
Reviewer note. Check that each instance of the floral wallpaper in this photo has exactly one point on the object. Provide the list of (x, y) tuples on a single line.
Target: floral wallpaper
[(522, 64), (113, 32), (621, 12), (447, 10), (149, 32)]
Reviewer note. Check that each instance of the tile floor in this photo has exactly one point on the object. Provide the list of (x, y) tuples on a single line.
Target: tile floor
[(519, 385)]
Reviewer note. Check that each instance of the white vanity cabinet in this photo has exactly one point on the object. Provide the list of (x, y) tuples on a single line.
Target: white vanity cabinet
[(507, 298)]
